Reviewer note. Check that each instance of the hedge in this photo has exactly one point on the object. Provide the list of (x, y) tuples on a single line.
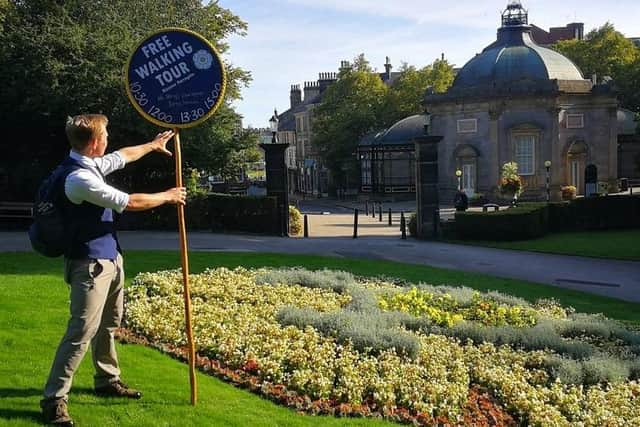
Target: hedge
[(531, 220), (212, 212), (243, 213), (526, 221)]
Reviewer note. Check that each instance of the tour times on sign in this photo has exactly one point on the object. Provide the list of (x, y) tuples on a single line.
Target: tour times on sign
[(175, 78)]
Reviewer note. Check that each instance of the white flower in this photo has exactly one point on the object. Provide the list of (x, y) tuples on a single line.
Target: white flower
[(202, 59)]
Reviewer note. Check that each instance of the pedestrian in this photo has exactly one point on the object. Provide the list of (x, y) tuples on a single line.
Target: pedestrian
[(93, 265)]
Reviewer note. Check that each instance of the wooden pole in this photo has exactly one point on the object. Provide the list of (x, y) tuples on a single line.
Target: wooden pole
[(185, 273)]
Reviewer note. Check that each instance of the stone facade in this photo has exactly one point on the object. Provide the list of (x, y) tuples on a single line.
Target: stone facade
[(482, 152), (518, 101)]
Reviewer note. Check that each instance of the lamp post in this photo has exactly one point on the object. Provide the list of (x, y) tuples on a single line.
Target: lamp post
[(273, 124), (427, 122), (459, 176), (547, 166)]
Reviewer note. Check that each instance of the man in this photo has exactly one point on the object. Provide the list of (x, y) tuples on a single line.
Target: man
[(93, 261)]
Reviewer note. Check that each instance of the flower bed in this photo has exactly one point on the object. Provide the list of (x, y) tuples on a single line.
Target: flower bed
[(326, 342)]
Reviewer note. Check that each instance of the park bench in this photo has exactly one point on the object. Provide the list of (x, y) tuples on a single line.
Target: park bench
[(16, 210), (488, 206)]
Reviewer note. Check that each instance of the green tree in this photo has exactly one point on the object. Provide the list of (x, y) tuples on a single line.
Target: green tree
[(360, 63), (360, 103), (407, 93), (350, 108), (65, 57), (627, 80), (603, 51), (606, 52)]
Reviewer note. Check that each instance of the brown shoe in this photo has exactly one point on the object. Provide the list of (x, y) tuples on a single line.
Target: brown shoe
[(118, 389), (54, 412)]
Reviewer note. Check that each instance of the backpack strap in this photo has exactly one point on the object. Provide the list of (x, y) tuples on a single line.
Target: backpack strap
[(63, 170)]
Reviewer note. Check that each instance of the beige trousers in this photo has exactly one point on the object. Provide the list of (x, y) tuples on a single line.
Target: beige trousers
[(96, 292)]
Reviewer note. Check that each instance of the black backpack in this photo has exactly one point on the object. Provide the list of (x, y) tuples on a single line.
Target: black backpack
[(48, 233)]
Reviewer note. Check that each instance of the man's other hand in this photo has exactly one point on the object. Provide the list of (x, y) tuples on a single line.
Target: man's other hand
[(177, 195), (159, 143)]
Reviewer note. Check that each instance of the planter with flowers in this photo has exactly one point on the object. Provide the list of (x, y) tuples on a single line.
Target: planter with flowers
[(510, 182), (568, 192)]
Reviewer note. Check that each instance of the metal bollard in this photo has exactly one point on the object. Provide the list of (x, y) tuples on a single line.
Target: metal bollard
[(403, 226), (389, 217), (366, 207), (380, 212), (373, 210), (306, 226), (355, 223)]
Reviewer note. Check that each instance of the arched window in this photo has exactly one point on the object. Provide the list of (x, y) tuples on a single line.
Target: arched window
[(577, 155), (466, 158), (525, 140)]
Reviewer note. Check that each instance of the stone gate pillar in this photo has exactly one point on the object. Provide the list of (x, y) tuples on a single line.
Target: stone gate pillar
[(427, 209), (277, 182)]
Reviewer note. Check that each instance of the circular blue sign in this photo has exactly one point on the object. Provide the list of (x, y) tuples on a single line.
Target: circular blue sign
[(175, 78)]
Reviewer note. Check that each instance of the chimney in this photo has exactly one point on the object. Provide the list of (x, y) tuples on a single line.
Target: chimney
[(387, 69), (311, 90), (344, 66), (578, 30), (325, 80), (295, 96)]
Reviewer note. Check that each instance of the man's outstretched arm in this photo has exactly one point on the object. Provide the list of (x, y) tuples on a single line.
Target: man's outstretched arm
[(159, 143), (144, 201)]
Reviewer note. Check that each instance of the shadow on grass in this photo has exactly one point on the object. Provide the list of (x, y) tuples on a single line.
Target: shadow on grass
[(9, 414), (13, 414), (20, 392), (26, 263)]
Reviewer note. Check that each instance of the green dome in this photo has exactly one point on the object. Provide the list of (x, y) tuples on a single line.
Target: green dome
[(514, 59), (404, 130)]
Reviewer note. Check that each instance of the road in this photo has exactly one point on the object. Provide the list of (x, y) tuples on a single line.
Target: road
[(613, 278)]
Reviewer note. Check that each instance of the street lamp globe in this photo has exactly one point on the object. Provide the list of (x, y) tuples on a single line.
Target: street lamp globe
[(547, 165), (458, 175), (427, 122)]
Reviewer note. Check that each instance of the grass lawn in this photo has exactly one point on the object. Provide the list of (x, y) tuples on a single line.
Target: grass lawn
[(33, 314), (615, 244)]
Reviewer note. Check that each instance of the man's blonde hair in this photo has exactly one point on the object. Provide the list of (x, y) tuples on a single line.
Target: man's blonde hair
[(83, 128)]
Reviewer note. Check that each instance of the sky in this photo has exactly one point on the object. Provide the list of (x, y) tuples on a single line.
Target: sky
[(291, 41)]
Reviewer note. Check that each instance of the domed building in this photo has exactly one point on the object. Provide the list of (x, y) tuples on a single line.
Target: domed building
[(518, 101), (387, 162)]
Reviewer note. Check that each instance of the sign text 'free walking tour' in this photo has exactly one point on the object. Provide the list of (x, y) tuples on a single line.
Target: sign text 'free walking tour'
[(175, 78)]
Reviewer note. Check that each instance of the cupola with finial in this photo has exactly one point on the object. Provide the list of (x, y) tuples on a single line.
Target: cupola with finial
[(515, 15), (514, 63)]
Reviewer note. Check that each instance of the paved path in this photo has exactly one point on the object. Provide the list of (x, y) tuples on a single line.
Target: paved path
[(341, 225), (617, 279)]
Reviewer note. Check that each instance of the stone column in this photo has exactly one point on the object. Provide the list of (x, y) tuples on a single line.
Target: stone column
[(559, 162), (277, 182), (612, 175), (428, 217), (494, 155)]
